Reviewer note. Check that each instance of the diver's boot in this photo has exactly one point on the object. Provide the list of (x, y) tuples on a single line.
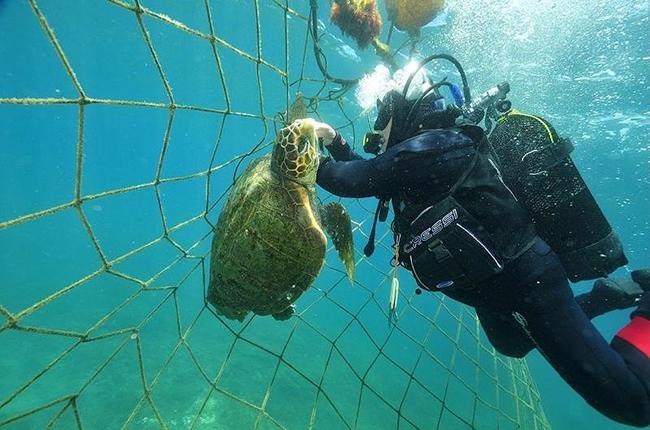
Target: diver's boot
[(611, 294), (642, 277)]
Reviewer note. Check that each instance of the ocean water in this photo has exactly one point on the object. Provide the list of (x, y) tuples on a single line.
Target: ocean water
[(122, 126)]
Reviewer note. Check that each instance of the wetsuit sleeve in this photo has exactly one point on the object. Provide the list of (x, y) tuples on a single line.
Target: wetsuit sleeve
[(354, 178), (432, 158), (341, 151)]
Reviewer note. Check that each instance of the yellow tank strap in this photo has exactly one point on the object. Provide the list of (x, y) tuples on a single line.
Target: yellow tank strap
[(538, 119)]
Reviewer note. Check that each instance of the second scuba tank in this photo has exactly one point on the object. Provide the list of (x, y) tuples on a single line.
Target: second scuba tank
[(536, 165)]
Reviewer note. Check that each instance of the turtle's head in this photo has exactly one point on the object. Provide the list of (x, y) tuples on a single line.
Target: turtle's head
[(296, 151)]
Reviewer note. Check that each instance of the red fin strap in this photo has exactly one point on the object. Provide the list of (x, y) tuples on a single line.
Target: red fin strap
[(637, 333)]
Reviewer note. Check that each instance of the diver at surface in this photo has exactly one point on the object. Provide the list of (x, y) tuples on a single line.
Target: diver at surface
[(461, 230)]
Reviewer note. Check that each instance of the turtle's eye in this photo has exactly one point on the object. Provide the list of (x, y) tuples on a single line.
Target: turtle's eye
[(302, 144)]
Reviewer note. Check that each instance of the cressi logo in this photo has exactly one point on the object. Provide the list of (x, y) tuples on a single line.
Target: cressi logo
[(432, 231)]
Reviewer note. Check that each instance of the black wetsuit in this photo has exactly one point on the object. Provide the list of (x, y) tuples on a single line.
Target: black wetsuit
[(529, 303)]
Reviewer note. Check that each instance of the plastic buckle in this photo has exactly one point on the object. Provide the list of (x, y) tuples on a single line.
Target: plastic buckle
[(439, 251)]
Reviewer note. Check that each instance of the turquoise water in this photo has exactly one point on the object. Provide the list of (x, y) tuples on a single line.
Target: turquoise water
[(125, 266)]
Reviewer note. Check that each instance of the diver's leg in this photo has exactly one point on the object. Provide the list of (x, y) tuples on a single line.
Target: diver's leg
[(494, 311), (504, 333), (611, 294), (508, 338), (613, 378)]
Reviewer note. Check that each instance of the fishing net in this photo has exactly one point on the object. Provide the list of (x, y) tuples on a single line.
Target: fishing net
[(117, 157)]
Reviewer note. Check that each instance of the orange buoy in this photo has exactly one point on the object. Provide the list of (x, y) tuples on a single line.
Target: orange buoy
[(411, 15)]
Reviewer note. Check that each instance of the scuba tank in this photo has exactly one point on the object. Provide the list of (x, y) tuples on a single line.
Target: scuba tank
[(536, 165)]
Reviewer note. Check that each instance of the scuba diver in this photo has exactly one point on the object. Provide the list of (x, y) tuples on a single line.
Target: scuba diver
[(464, 227)]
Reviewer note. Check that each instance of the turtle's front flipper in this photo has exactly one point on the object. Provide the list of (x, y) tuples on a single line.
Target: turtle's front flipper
[(338, 225)]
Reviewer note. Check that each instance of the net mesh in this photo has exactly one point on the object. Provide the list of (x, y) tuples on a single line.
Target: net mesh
[(120, 336)]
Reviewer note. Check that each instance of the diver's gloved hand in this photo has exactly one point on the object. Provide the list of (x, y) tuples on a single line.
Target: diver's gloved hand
[(324, 132), (611, 294), (333, 141)]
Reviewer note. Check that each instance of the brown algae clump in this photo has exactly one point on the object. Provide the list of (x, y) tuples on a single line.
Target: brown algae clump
[(359, 19)]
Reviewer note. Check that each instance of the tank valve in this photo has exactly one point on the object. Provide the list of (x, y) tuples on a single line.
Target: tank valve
[(475, 110)]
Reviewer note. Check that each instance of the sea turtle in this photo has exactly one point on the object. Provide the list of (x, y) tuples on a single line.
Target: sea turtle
[(269, 245)]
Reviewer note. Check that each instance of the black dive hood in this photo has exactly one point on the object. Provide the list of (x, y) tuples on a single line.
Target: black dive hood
[(412, 116), (392, 106)]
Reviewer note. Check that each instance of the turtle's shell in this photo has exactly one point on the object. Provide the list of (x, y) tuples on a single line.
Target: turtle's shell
[(268, 245)]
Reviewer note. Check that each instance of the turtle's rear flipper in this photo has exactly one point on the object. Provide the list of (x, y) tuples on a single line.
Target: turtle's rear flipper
[(284, 314), (337, 223)]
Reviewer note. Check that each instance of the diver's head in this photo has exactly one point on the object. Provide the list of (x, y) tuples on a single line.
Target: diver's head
[(408, 101), (392, 110), (399, 118), (389, 113), (295, 152)]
